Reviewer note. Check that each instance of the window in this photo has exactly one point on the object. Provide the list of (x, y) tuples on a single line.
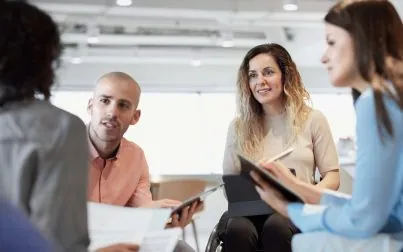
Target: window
[(186, 133), (339, 111)]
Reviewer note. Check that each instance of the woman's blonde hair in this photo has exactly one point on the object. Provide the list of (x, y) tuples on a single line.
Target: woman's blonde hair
[(249, 125)]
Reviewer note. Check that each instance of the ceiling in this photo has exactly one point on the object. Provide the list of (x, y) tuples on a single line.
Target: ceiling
[(184, 45)]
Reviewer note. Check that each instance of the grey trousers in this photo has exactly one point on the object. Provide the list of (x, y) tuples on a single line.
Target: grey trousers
[(182, 246)]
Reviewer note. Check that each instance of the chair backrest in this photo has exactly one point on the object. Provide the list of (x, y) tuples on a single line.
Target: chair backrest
[(177, 189), (181, 189)]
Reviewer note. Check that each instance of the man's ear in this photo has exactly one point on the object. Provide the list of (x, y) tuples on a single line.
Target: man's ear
[(136, 117), (89, 106)]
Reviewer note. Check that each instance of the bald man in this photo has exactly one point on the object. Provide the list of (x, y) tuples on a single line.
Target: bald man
[(119, 173)]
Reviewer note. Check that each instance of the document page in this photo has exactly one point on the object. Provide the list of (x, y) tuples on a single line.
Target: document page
[(162, 241), (110, 224)]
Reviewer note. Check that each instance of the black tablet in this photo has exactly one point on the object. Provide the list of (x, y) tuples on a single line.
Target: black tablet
[(242, 197), (248, 166), (197, 198)]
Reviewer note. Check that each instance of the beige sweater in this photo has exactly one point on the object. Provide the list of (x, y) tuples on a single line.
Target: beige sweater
[(314, 147)]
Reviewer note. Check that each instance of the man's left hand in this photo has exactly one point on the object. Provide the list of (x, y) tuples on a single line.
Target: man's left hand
[(185, 217)]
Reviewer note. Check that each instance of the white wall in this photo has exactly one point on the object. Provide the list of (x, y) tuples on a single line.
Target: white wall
[(184, 133)]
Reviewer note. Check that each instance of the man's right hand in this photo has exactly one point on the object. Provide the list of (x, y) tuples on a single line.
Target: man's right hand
[(164, 203), (121, 247)]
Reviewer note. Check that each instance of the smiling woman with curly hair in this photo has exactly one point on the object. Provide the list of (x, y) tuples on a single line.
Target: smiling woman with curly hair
[(273, 115)]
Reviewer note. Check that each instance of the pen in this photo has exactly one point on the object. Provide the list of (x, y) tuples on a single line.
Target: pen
[(281, 155)]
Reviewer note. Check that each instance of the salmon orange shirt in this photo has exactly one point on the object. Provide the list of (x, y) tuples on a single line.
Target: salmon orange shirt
[(123, 180)]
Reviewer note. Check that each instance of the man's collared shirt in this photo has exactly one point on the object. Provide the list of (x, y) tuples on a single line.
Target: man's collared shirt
[(122, 180)]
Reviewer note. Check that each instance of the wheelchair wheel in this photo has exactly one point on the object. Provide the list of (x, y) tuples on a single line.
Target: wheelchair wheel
[(214, 244)]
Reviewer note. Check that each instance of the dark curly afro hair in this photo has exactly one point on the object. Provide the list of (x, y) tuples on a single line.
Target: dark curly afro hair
[(30, 48)]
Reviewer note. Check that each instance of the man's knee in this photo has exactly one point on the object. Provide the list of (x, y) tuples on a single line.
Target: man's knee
[(182, 246)]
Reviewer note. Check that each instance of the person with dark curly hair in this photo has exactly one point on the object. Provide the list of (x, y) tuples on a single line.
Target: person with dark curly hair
[(43, 149)]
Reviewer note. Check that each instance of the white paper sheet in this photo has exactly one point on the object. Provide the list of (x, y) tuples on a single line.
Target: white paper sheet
[(162, 241), (114, 224)]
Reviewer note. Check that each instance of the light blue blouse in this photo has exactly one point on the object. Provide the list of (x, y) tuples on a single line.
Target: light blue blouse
[(376, 205)]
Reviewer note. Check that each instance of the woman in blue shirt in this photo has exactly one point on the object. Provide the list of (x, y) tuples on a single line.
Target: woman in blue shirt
[(364, 52)]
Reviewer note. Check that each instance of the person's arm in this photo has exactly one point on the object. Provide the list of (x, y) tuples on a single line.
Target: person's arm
[(58, 202), (325, 153), (330, 197), (142, 198), (18, 233), (330, 180), (318, 195), (374, 193), (229, 164), (311, 194), (142, 195)]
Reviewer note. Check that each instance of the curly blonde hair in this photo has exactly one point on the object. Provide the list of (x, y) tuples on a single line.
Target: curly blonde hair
[(249, 125)]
